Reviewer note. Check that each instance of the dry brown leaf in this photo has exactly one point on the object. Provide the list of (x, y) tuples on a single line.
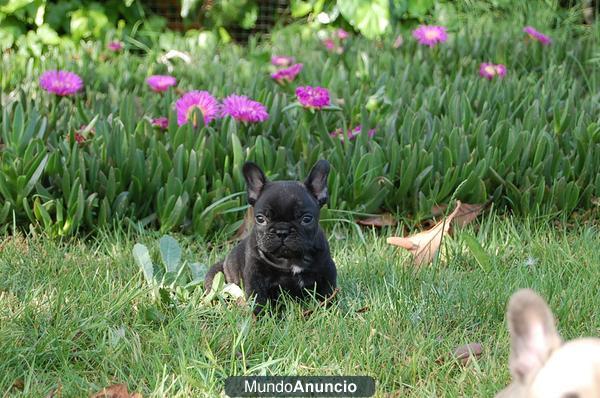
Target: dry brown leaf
[(116, 391), (18, 384), (465, 353), (467, 213), (425, 245), (438, 210), (462, 354), (380, 220)]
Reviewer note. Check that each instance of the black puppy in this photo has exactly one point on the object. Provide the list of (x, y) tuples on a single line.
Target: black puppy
[(286, 249)]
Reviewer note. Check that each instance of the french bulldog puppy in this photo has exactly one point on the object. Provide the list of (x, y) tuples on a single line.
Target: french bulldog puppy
[(541, 365), (286, 249)]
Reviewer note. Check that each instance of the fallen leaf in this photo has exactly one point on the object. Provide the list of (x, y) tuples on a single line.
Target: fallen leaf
[(234, 291), (467, 213), (116, 391), (438, 210), (465, 353), (427, 224), (18, 384), (380, 220), (425, 245)]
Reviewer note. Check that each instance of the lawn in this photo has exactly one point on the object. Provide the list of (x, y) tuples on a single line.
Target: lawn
[(72, 314)]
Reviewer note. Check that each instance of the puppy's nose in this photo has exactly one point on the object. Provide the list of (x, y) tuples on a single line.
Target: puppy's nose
[(282, 233)]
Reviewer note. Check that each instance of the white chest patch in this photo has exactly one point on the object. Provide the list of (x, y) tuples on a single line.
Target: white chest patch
[(296, 270)]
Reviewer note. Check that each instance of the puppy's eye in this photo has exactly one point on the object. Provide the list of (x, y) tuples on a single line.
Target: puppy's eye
[(260, 219), (307, 219)]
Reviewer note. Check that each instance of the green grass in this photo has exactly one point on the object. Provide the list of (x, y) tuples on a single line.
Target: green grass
[(71, 314)]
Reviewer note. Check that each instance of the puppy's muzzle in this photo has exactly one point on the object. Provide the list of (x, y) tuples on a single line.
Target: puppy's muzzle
[(282, 231)]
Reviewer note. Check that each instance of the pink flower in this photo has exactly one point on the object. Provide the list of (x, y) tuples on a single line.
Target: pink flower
[(329, 44), (332, 46), (352, 133), (288, 74), (342, 34), (313, 97), (115, 46), (79, 138), (489, 70), (61, 82), (282, 60), (534, 34), (161, 83), (244, 109), (161, 122), (202, 100), (430, 35)]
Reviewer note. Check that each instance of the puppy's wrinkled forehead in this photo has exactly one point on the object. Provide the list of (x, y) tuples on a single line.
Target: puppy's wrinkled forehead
[(286, 200)]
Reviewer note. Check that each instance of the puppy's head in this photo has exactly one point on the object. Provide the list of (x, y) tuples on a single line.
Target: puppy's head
[(286, 213), (540, 364)]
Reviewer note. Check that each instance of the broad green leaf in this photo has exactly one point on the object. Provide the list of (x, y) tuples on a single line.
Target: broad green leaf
[(88, 22), (420, 8), (170, 253), (11, 6), (300, 8), (143, 260), (48, 35), (198, 271), (369, 17)]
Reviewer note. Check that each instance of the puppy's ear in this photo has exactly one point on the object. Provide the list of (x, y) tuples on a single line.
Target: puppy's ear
[(533, 334), (255, 181), (317, 181)]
